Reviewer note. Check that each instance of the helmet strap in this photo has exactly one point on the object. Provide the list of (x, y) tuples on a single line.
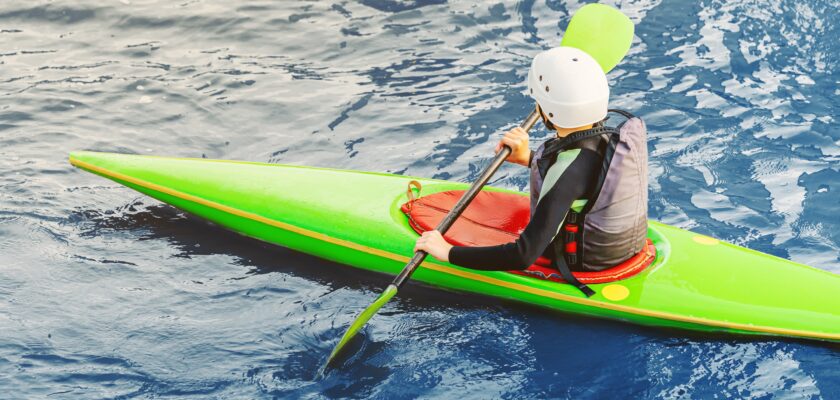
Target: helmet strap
[(545, 119)]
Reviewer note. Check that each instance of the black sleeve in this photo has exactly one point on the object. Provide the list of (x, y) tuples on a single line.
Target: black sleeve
[(573, 184)]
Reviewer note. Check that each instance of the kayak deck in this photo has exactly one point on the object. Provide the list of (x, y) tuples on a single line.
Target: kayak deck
[(354, 218)]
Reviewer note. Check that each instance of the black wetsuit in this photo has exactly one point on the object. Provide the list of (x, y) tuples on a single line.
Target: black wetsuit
[(576, 182)]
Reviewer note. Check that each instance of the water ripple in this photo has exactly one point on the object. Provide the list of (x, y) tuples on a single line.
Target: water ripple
[(104, 293)]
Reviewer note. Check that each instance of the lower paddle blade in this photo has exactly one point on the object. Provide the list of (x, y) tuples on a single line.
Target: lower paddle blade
[(602, 31), (361, 320)]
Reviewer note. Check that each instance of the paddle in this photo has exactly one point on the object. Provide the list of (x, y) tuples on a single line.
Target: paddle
[(601, 31)]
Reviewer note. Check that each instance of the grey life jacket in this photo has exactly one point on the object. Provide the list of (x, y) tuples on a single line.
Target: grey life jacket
[(610, 227)]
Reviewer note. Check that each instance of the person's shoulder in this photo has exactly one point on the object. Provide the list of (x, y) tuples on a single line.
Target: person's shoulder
[(579, 155), (634, 124)]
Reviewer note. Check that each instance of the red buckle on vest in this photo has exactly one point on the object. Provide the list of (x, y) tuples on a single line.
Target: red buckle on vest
[(571, 248), (571, 228)]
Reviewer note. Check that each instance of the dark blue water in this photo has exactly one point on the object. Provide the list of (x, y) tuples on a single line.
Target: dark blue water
[(105, 293)]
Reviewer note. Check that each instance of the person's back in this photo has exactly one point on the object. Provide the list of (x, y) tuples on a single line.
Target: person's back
[(615, 226)]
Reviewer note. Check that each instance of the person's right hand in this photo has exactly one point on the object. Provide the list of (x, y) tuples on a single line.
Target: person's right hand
[(517, 140)]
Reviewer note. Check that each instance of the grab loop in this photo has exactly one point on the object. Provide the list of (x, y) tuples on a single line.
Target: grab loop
[(412, 186)]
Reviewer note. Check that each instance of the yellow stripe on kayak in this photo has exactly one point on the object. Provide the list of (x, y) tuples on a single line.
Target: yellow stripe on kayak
[(449, 270)]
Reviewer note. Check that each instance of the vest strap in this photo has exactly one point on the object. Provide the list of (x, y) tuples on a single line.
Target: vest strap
[(623, 113), (560, 264), (572, 238)]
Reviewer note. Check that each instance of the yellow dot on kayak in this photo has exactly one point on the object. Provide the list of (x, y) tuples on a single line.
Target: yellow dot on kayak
[(615, 292), (706, 240)]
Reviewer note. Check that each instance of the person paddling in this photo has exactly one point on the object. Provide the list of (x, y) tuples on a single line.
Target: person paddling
[(588, 184)]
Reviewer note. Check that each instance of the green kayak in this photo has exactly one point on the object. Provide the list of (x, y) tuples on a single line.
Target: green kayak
[(354, 218)]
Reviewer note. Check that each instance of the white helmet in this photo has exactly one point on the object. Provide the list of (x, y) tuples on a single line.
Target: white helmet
[(569, 86)]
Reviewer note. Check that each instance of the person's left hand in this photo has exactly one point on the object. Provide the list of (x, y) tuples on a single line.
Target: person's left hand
[(517, 140), (432, 242)]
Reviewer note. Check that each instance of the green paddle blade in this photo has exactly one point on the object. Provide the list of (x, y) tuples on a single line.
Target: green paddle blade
[(603, 32), (361, 320)]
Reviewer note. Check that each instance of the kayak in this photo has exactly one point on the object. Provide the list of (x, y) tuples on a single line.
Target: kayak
[(355, 218)]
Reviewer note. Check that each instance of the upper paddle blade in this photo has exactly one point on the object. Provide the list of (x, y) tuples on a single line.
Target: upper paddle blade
[(360, 322), (603, 32)]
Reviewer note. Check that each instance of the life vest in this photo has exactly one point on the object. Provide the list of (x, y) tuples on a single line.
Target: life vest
[(610, 226)]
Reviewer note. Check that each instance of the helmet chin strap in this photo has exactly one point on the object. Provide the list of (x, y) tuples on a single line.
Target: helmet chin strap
[(545, 120)]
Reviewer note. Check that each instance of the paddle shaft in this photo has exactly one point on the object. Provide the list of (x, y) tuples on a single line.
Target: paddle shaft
[(600, 45), (465, 201)]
